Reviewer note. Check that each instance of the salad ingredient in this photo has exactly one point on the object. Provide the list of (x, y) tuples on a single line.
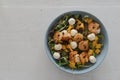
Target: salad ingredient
[(83, 45), (72, 65), (56, 55), (73, 44), (65, 35), (77, 58), (92, 59), (57, 37), (80, 25), (58, 47), (91, 36), (71, 21), (97, 51), (83, 58), (93, 27), (78, 37), (72, 56), (73, 32), (98, 31)]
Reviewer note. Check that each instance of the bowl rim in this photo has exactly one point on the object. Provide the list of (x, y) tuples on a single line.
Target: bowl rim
[(105, 49)]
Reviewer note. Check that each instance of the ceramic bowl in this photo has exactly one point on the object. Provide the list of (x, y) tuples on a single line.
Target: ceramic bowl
[(99, 58)]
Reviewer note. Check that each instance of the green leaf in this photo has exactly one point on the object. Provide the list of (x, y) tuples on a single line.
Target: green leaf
[(64, 54), (63, 61), (77, 16), (94, 54), (58, 27), (65, 17), (82, 66), (101, 36), (62, 28), (90, 45)]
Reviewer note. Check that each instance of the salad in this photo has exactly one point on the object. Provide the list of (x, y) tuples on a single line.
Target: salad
[(75, 41)]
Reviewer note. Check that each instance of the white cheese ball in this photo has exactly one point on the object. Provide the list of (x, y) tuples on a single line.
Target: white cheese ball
[(73, 44), (71, 21), (91, 36), (56, 55), (92, 59), (73, 32), (98, 31), (58, 47), (77, 58)]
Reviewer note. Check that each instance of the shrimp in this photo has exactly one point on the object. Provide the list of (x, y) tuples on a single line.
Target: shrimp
[(72, 56), (57, 37), (83, 45), (93, 27), (84, 58), (78, 37)]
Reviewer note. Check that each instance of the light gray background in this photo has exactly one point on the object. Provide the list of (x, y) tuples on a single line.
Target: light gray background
[(23, 24)]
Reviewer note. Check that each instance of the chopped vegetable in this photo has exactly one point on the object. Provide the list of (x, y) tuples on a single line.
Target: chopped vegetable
[(97, 51), (69, 28), (98, 46), (72, 65)]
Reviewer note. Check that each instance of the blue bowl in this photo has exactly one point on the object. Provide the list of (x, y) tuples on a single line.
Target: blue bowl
[(100, 57)]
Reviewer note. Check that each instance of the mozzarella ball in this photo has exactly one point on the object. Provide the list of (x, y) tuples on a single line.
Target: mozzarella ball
[(73, 32), (91, 36), (56, 55), (77, 58), (71, 21), (92, 59), (98, 31), (73, 44), (58, 47)]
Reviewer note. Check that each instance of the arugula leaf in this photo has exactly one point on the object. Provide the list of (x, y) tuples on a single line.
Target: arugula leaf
[(101, 37), (58, 27), (64, 54), (90, 45), (63, 61), (77, 16), (82, 66)]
